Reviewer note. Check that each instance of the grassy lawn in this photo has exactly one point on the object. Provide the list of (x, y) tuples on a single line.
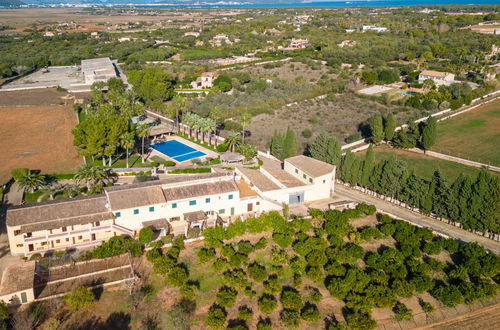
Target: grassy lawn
[(133, 161), (424, 166), (31, 198), (474, 135)]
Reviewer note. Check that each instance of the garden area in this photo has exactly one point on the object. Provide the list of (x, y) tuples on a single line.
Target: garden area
[(473, 135)]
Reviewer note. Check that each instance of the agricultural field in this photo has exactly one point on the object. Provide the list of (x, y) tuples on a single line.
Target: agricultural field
[(425, 166), (342, 117), (353, 267), (473, 135), (38, 138)]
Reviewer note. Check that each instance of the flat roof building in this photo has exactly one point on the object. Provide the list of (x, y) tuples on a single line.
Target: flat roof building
[(98, 69)]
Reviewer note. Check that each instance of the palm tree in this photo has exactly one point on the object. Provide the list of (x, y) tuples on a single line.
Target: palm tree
[(143, 132), (91, 175), (196, 125), (210, 128), (31, 181), (127, 141), (245, 119), (233, 141), (180, 104), (187, 120)]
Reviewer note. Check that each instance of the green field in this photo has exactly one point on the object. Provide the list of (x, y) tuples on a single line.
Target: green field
[(474, 135), (424, 166)]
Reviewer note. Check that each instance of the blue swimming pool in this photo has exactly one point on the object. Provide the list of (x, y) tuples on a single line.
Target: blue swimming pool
[(407, 93), (177, 150)]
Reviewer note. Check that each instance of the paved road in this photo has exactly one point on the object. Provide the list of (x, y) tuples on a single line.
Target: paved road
[(416, 218)]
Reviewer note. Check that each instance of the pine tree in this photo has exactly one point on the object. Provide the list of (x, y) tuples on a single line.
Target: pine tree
[(377, 129), (290, 145), (367, 168), (429, 134), (389, 127), (326, 148)]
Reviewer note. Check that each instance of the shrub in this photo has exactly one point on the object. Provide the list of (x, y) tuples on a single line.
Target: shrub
[(79, 298), (205, 255), (307, 133), (221, 148), (220, 265), (261, 244), (315, 273), (216, 317), (310, 313), (279, 257), (245, 313), (449, 295), (226, 297), (361, 321), (236, 278), (291, 299), (314, 295), (272, 284), (401, 312), (235, 229), (238, 259), (245, 247), (432, 248), (297, 265), (257, 272), (188, 290), (191, 170), (227, 251), (177, 276), (428, 308), (267, 303), (290, 318), (282, 240), (36, 256), (353, 137), (264, 324), (146, 235), (153, 255), (316, 258)]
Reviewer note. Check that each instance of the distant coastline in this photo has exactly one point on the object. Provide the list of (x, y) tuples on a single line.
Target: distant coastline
[(319, 4)]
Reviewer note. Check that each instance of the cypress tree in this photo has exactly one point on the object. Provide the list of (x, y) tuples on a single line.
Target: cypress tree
[(377, 129), (389, 127), (429, 134), (356, 171), (290, 147), (368, 165), (347, 166), (277, 145)]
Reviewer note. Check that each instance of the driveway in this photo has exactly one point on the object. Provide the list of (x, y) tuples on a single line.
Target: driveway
[(418, 219)]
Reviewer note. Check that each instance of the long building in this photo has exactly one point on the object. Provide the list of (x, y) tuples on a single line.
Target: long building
[(169, 206), (98, 69)]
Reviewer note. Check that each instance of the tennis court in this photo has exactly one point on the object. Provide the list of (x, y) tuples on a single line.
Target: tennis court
[(177, 150)]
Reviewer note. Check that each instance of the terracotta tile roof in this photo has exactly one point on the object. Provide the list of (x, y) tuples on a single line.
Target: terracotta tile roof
[(310, 166), (258, 179), (17, 278), (434, 73), (201, 189), (83, 209), (135, 197)]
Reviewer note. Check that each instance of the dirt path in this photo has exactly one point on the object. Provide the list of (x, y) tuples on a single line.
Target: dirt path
[(418, 219), (484, 318)]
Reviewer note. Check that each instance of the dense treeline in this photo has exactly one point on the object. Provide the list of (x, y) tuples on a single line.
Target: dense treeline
[(474, 203), (18, 55)]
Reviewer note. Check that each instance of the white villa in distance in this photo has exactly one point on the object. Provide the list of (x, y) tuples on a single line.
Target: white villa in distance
[(169, 206), (439, 78)]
